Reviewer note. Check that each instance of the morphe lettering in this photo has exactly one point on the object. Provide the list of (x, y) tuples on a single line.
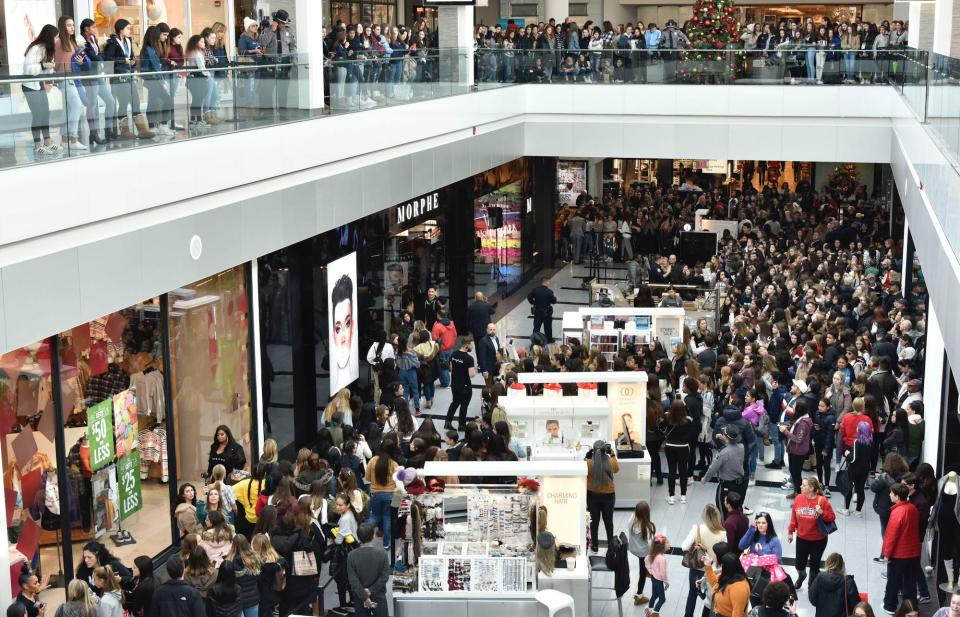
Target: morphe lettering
[(415, 208)]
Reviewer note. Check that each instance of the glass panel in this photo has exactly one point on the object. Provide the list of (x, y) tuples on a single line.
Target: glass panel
[(108, 365), (108, 12), (171, 12), (210, 370), (28, 427)]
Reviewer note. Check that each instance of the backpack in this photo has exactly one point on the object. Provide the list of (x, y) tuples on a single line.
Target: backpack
[(762, 430), (377, 359)]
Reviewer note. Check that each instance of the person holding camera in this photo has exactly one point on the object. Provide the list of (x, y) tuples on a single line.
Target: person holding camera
[(601, 490)]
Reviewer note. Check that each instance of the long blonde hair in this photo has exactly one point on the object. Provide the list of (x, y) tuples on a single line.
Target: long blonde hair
[(78, 591), (269, 451), (340, 402), (263, 549), (241, 548), (105, 573), (711, 517)]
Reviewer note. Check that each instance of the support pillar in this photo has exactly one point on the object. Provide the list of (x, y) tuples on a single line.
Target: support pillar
[(308, 18), (455, 26), (595, 177), (933, 392)]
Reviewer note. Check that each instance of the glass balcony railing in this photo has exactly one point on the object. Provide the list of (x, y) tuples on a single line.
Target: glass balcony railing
[(58, 114), (784, 65)]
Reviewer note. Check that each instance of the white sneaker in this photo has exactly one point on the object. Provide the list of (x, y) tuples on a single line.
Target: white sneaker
[(670, 501), (858, 513), (78, 145), (844, 511), (752, 482), (683, 499)]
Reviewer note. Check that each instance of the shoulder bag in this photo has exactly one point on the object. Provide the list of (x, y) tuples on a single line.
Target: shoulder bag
[(693, 558), (824, 527)]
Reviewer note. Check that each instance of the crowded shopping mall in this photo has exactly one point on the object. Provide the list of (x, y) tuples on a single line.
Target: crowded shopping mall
[(457, 307)]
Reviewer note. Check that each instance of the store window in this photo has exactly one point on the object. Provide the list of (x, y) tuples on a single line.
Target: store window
[(28, 427), (347, 12), (209, 357), (111, 375)]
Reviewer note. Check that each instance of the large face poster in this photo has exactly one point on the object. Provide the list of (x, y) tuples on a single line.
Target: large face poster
[(342, 303)]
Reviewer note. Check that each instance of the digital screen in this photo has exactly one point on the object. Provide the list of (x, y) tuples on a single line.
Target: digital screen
[(500, 247)]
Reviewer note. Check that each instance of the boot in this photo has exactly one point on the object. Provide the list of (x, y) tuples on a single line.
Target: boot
[(211, 118), (95, 134), (143, 131), (125, 132)]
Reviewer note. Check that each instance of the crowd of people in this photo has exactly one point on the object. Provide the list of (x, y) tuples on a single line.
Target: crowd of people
[(645, 53), (91, 71), (813, 365)]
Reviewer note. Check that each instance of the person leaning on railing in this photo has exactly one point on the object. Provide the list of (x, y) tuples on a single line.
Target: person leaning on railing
[(119, 52), (38, 60)]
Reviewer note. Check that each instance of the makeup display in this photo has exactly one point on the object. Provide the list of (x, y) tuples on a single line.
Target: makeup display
[(475, 539)]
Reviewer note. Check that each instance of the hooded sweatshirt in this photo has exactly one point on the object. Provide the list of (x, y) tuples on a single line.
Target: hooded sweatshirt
[(445, 333), (732, 416), (827, 594)]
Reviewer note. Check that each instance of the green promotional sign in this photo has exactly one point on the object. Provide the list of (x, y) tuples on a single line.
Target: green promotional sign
[(100, 434), (128, 477)]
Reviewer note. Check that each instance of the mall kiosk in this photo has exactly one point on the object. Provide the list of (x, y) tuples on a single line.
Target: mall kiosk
[(609, 329), (557, 427), (475, 554)]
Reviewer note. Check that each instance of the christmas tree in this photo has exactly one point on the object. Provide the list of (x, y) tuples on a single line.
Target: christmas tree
[(713, 27), (844, 178)]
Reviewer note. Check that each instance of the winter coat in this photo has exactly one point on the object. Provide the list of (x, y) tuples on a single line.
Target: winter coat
[(799, 437), (224, 603), (445, 333), (139, 601), (249, 588), (187, 519), (902, 538), (824, 431), (732, 416), (201, 582), (177, 599), (827, 594), (287, 543), (881, 486)]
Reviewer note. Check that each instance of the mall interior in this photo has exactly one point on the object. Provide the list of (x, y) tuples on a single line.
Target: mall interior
[(784, 240)]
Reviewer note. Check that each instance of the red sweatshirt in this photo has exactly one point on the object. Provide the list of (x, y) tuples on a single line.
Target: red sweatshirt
[(803, 517), (848, 427), (902, 539)]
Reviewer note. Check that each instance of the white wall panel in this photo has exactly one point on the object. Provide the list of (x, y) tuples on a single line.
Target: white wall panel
[(44, 290), (756, 100), (261, 228), (299, 211), (422, 173), (103, 266)]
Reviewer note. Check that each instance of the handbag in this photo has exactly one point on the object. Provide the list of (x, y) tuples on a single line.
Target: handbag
[(304, 563), (824, 527), (693, 558), (844, 485)]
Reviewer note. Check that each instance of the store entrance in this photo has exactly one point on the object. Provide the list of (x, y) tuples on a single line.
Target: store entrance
[(774, 15), (413, 261)]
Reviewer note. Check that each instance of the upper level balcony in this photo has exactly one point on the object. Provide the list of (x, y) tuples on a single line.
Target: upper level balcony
[(60, 114)]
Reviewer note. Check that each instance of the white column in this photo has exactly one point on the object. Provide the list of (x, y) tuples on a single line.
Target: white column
[(595, 177), (904, 266), (932, 387), (257, 352), (943, 26), (557, 9), (455, 26), (308, 22)]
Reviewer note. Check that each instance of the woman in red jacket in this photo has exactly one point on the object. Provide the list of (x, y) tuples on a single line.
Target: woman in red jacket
[(809, 507)]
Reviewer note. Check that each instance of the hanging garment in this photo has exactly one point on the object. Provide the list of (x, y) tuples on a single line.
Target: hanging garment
[(153, 449), (150, 397)]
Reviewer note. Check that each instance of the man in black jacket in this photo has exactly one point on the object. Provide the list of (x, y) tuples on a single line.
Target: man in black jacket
[(478, 315), (176, 598), (543, 299)]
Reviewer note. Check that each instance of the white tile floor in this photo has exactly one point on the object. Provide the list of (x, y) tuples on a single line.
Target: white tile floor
[(857, 539)]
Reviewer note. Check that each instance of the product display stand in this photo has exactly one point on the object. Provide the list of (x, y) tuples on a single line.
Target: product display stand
[(477, 558), (626, 408)]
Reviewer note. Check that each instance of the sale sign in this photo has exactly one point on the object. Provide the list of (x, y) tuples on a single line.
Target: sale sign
[(100, 434)]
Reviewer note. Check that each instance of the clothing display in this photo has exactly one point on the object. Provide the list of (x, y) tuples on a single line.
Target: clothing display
[(150, 397), (945, 521), (104, 386), (153, 449)]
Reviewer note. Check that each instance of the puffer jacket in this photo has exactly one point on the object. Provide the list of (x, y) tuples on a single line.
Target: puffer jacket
[(827, 594), (249, 589)]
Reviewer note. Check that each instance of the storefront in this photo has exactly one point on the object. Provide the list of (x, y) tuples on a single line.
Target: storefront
[(485, 228), (365, 11), (103, 421)]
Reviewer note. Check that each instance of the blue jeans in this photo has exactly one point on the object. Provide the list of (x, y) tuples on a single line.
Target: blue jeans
[(752, 456), (693, 577), (849, 63), (428, 390), (659, 596), (811, 63), (251, 611), (408, 378), (777, 444), (380, 514), (445, 374)]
